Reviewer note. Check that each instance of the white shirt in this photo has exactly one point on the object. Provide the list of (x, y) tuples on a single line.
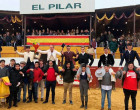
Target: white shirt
[(49, 53), (106, 55), (106, 87), (83, 53), (129, 51), (27, 55), (83, 73)]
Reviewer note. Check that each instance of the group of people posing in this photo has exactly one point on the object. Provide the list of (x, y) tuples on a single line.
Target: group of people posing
[(31, 75)]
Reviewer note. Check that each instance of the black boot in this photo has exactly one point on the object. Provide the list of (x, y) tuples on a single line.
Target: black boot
[(82, 106), (85, 105)]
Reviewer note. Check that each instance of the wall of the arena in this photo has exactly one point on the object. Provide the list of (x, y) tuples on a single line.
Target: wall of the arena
[(9, 51)]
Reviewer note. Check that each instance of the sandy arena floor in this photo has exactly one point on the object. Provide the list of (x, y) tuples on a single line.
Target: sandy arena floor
[(93, 104)]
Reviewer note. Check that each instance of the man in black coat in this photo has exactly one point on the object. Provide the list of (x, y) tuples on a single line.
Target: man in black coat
[(106, 59), (15, 78), (129, 56), (84, 58)]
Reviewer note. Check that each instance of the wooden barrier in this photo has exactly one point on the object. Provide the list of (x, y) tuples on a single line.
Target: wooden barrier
[(9, 51)]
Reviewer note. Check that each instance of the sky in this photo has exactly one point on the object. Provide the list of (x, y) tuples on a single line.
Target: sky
[(14, 5)]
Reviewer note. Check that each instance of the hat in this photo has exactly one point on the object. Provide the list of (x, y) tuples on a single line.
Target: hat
[(63, 45), (27, 46), (22, 62), (119, 75), (100, 72)]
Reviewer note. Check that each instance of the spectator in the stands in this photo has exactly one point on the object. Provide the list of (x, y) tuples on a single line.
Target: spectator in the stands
[(36, 32), (58, 32), (1, 40), (94, 45), (86, 32), (82, 32), (68, 32), (8, 39), (43, 32), (51, 32), (105, 39), (28, 32), (18, 39), (93, 34), (129, 37), (13, 39), (122, 46), (110, 36), (77, 31), (72, 32), (33, 32), (39, 33), (113, 46), (48, 31), (62, 32), (4, 39)]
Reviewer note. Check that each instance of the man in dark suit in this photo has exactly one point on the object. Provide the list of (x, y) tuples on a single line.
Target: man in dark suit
[(129, 56), (106, 59), (84, 58)]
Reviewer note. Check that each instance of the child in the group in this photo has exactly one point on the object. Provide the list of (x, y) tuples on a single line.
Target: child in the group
[(68, 79), (84, 86)]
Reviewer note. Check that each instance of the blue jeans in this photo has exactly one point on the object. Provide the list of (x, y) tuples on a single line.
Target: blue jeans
[(33, 91), (24, 92), (104, 92), (87, 70)]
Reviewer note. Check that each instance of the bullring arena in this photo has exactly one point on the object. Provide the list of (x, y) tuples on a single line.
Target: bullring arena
[(94, 102)]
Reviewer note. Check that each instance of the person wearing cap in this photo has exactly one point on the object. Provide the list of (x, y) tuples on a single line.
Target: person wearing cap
[(106, 59), (68, 57), (51, 55), (106, 87), (129, 56), (84, 58), (24, 82), (130, 85), (84, 85)]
